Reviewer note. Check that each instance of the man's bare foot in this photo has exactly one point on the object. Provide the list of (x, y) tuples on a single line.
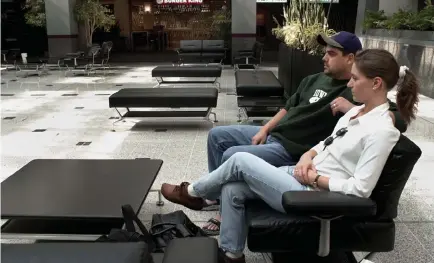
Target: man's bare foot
[(211, 205), (210, 202)]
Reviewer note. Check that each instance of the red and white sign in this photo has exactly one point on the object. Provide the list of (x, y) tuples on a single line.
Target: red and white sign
[(179, 2)]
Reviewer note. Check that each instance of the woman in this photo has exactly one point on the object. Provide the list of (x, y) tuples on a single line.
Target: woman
[(349, 161)]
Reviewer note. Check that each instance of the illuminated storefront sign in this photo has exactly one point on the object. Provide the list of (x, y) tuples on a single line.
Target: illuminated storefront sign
[(310, 1), (179, 2), (271, 1)]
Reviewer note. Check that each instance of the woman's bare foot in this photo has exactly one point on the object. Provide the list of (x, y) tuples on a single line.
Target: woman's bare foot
[(212, 228)]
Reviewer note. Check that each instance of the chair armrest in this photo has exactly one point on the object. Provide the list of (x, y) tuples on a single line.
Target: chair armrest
[(243, 57), (245, 54), (327, 204), (192, 250), (75, 54)]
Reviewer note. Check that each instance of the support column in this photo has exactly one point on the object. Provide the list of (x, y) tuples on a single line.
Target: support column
[(62, 30), (392, 6), (362, 6), (243, 24)]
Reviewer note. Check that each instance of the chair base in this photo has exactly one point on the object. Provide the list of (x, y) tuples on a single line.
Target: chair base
[(335, 257)]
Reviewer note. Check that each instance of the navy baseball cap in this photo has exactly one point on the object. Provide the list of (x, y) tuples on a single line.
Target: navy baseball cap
[(344, 40)]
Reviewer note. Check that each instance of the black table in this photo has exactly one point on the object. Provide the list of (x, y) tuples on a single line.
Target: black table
[(192, 72), (73, 199)]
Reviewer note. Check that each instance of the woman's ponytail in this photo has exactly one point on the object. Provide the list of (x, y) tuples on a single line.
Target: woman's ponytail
[(407, 96), (381, 63)]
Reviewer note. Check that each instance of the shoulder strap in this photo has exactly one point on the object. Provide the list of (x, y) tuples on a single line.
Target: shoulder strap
[(130, 217)]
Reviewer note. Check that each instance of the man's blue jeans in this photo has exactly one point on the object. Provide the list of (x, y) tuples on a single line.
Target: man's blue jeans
[(224, 141), (244, 177)]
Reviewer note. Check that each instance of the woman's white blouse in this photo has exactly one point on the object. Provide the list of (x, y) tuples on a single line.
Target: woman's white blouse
[(354, 162)]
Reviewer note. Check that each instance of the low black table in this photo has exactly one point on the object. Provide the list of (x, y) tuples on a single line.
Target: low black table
[(188, 71), (73, 199), (259, 94), (149, 99)]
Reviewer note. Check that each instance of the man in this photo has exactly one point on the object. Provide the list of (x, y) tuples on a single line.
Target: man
[(308, 117)]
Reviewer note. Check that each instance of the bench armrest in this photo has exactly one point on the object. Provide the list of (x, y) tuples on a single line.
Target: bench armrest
[(327, 204), (192, 250)]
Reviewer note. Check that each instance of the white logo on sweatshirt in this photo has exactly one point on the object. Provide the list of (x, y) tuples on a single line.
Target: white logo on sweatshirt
[(319, 94)]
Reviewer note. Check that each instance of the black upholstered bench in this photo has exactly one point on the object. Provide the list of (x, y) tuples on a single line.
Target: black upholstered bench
[(185, 71), (165, 98), (259, 93), (191, 250)]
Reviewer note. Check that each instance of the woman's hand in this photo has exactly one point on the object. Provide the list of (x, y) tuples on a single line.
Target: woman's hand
[(308, 179), (302, 168)]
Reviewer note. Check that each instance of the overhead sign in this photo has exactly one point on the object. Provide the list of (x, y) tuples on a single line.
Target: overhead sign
[(323, 1), (310, 1), (179, 2), (271, 1)]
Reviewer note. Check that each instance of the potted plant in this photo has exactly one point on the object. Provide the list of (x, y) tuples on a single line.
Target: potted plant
[(402, 24), (35, 13), (92, 15), (221, 26), (35, 31), (300, 54)]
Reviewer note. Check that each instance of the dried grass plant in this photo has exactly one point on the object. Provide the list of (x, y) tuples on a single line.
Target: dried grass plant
[(303, 21)]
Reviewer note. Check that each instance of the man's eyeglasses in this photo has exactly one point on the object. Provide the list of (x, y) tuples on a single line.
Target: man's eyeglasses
[(341, 132)]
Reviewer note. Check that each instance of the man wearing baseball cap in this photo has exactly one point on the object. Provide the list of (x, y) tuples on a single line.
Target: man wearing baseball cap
[(346, 41), (309, 115)]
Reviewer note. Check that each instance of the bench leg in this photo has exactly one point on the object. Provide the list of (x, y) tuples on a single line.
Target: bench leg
[(215, 116), (160, 201), (159, 80), (242, 113), (217, 84), (208, 113), (121, 118)]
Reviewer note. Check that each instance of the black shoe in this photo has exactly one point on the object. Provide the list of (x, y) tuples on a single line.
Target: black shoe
[(225, 259)]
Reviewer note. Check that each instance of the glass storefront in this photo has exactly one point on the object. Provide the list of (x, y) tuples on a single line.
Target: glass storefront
[(161, 24)]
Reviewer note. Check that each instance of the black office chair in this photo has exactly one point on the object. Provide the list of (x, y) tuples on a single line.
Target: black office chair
[(249, 59), (328, 227)]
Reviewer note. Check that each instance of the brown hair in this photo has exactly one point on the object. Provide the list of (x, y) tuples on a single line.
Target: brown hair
[(381, 63)]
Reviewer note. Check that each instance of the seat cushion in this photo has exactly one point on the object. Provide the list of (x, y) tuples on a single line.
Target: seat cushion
[(191, 55), (203, 250), (261, 102), (213, 44), (164, 97), (76, 253), (272, 231), (204, 71), (213, 48), (257, 83), (213, 54), (190, 45)]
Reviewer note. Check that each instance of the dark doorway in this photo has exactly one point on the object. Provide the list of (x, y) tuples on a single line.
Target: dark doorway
[(16, 34)]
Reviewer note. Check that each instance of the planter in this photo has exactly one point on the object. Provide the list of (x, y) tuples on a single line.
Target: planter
[(411, 48), (294, 66), (405, 34)]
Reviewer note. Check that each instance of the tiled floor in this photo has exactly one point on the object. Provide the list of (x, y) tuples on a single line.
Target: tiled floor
[(75, 109)]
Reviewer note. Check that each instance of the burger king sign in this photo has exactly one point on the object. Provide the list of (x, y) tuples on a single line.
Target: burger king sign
[(179, 2)]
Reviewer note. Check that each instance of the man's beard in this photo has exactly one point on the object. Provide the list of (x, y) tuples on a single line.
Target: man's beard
[(333, 74)]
